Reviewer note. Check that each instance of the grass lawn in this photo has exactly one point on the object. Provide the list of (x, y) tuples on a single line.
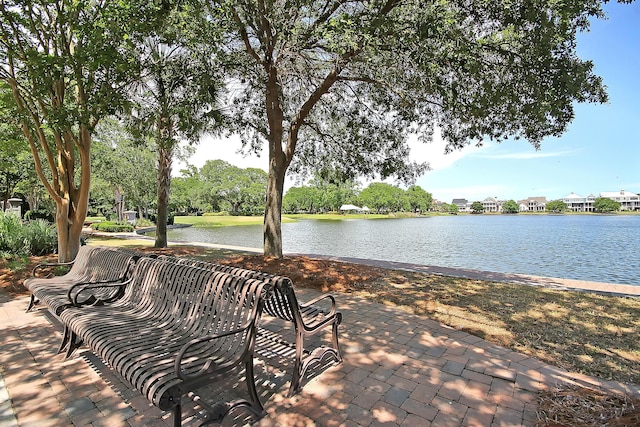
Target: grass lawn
[(229, 220), (220, 220)]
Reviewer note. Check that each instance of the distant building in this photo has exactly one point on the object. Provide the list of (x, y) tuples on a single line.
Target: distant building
[(577, 203), (533, 204), (462, 204), (490, 205), (13, 206), (628, 201)]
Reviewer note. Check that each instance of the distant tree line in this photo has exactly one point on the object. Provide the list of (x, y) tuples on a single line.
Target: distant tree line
[(219, 186), (380, 197)]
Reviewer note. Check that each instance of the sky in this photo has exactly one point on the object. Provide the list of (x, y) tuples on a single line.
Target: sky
[(599, 152)]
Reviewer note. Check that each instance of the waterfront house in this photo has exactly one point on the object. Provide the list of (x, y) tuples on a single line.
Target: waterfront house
[(533, 204), (490, 205), (462, 204), (576, 203), (628, 201)]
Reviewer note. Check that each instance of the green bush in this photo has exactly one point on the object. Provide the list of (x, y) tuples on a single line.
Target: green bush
[(112, 227), (144, 223), (41, 237), (11, 236), (23, 239)]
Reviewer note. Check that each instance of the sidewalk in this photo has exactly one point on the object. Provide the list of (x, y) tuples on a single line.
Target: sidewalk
[(398, 369)]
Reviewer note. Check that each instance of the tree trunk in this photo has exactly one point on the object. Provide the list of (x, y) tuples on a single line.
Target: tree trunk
[(273, 210), (164, 182)]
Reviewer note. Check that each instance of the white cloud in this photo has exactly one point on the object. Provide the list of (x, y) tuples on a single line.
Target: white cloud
[(434, 152), (529, 155), (227, 149)]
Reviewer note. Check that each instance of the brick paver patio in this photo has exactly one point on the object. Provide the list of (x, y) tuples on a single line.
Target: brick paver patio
[(399, 369)]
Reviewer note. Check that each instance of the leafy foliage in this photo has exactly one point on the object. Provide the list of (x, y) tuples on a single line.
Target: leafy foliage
[(556, 206), (113, 227), (23, 239), (382, 197), (122, 170), (176, 96), (510, 207), (68, 64), (605, 205), (477, 207), (419, 199)]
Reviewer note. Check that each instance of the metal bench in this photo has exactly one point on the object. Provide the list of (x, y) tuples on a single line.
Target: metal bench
[(175, 329), (309, 318), (93, 264)]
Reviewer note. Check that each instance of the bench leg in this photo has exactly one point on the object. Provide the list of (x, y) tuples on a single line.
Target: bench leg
[(256, 406), (65, 339), (32, 303), (334, 338), (73, 344), (177, 415), (297, 365)]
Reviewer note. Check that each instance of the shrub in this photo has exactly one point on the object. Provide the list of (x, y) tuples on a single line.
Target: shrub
[(41, 237), (112, 227), (144, 223), (11, 236), (24, 239)]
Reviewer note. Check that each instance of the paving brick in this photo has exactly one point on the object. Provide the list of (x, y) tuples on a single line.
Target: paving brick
[(367, 399), (79, 406), (396, 396), (476, 418), (386, 413), (402, 383), (421, 409)]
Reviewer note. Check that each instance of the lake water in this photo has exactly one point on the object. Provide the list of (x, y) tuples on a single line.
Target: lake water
[(584, 247)]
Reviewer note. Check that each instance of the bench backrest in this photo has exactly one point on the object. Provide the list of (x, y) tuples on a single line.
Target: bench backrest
[(189, 294), (282, 303)]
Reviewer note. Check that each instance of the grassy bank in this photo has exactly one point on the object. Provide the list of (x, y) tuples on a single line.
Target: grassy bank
[(229, 221), (219, 220)]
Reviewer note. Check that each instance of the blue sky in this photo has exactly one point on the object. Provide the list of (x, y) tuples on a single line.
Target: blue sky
[(599, 152)]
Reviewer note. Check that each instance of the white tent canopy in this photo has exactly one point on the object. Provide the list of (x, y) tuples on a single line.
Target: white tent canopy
[(350, 208)]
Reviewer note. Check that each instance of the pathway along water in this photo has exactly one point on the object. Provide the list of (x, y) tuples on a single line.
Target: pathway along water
[(601, 248)]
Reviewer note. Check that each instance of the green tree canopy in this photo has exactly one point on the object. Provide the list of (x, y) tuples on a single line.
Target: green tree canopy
[(383, 197), (477, 207), (225, 186), (605, 205), (175, 98), (302, 199), (341, 85), (556, 206), (124, 167), (419, 199), (510, 207)]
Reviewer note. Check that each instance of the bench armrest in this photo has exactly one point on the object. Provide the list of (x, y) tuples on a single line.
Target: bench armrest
[(205, 364), (320, 298), (78, 289), (35, 269)]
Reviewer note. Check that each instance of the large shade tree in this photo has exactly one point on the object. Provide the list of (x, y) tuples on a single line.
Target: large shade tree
[(68, 64), (341, 84)]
